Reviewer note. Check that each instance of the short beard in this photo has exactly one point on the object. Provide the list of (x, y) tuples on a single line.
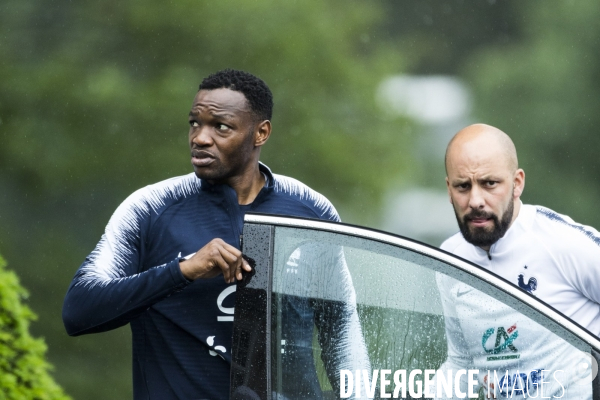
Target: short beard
[(482, 237)]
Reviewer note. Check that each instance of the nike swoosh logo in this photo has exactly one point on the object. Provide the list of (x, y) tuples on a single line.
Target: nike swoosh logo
[(458, 294), (186, 257)]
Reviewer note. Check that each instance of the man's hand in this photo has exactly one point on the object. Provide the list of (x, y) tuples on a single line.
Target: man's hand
[(215, 258)]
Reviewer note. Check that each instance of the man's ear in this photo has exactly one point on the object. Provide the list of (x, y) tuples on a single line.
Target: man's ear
[(448, 187), (519, 183), (262, 133)]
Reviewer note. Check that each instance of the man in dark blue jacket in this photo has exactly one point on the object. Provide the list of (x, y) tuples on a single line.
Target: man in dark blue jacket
[(179, 308)]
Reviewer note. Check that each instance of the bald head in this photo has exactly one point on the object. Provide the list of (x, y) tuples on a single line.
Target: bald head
[(483, 139), (484, 183)]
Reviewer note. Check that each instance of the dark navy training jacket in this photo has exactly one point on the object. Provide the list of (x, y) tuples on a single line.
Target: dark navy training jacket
[(181, 330)]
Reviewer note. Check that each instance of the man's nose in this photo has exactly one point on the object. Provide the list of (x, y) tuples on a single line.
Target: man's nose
[(476, 199), (202, 136)]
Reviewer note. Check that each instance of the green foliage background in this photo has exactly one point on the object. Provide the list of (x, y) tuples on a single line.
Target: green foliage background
[(94, 98), (23, 369)]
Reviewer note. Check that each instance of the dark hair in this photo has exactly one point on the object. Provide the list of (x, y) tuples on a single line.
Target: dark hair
[(255, 90)]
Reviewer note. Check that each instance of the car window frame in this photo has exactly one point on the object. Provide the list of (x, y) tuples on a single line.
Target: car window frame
[(258, 226)]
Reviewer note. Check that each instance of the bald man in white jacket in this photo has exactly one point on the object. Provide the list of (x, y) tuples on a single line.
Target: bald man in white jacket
[(542, 252)]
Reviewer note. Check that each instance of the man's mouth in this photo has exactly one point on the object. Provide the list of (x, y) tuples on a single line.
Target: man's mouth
[(479, 219), (202, 158), (478, 222)]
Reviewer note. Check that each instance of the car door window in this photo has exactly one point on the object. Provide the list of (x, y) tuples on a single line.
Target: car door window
[(354, 317)]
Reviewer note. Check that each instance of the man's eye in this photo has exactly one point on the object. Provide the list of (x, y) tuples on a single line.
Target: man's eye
[(463, 186), (491, 183), (222, 127), (194, 124)]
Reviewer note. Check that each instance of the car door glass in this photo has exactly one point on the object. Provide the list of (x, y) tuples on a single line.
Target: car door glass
[(356, 318)]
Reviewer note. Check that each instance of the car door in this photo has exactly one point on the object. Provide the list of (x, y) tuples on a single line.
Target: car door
[(338, 311)]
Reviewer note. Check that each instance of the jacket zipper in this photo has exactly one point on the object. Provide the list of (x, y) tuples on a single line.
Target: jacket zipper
[(236, 215)]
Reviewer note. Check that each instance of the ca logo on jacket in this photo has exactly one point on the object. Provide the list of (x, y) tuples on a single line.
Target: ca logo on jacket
[(504, 343)]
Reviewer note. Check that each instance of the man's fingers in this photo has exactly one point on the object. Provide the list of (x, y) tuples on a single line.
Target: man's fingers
[(243, 265), (229, 255), (234, 264), (224, 267), (237, 264), (214, 258), (225, 246)]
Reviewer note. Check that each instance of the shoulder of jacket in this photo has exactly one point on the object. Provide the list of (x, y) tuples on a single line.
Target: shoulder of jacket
[(156, 196), (561, 230), (305, 195)]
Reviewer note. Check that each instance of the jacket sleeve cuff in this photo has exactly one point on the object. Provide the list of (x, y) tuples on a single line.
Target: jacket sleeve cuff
[(179, 280)]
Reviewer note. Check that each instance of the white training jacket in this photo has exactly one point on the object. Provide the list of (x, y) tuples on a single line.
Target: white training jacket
[(550, 256)]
